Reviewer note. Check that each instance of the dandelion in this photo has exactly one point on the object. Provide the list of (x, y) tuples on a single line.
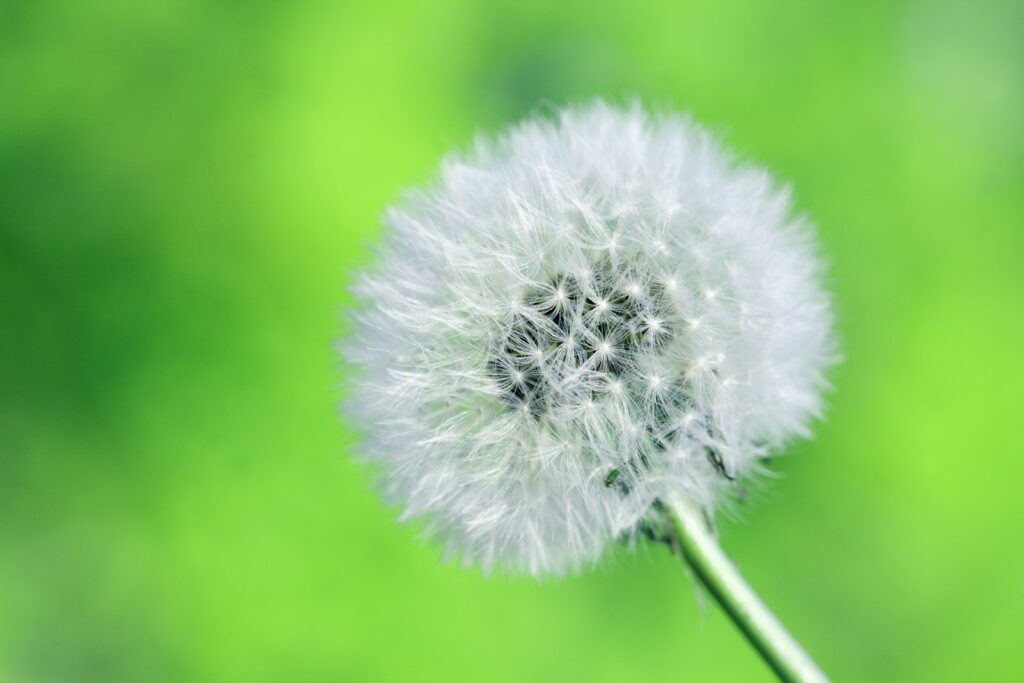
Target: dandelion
[(589, 328)]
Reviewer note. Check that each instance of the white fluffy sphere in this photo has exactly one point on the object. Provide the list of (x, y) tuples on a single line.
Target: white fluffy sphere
[(576, 319)]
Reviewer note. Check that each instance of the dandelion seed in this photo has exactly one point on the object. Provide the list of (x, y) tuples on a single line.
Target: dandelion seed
[(531, 431)]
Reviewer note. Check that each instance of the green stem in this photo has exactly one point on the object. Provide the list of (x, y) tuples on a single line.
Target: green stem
[(700, 550)]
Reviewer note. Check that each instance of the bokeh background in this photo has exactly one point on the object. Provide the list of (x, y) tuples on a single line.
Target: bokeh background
[(185, 189)]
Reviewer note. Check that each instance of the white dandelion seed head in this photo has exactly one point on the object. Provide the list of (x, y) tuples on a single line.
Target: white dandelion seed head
[(577, 319)]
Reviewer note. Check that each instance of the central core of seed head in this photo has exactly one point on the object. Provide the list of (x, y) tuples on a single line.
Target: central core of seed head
[(579, 336)]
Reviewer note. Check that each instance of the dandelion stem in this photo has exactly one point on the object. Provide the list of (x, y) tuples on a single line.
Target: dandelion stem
[(698, 547)]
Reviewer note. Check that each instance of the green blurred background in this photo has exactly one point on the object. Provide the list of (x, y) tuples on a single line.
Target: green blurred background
[(185, 188)]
